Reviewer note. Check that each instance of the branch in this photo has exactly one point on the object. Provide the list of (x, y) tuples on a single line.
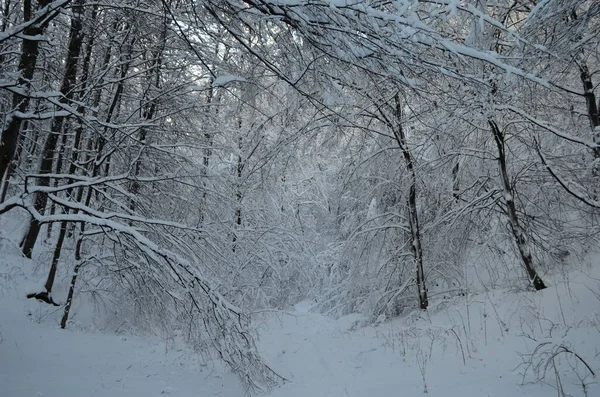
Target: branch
[(561, 182)]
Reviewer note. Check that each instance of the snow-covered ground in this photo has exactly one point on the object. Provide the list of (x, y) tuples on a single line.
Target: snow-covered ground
[(492, 344), (39, 360), (476, 347)]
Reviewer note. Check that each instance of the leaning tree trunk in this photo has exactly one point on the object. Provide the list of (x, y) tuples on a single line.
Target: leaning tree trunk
[(79, 263), (78, 252), (79, 245), (46, 294), (519, 234), (413, 215), (40, 199), (95, 168)]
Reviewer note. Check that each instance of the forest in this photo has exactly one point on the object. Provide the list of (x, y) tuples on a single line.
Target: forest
[(192, 163)]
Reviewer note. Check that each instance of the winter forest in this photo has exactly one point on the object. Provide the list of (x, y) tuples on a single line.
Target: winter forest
[(191, 170)]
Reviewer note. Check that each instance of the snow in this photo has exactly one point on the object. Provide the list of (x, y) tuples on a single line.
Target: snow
[(39, 359), (42, 361), (452, 8), (478, 345), (471, 348), (304, 306), (226, 79)]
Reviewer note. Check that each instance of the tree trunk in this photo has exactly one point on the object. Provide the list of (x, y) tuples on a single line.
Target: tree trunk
[(26, 68), (413, 215), (207, 151), (238, 187), (455, 182), (11, 169), (520, 237), (54, 183), (592, 106), (40, 199), (75, 43), (46, 295), (238, 190), (65, 316)]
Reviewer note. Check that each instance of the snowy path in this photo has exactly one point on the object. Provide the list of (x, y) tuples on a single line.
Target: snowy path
[(324, 357)]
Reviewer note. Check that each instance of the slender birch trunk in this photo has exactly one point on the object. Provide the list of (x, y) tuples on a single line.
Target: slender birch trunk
[(413, 215), (519, 234)]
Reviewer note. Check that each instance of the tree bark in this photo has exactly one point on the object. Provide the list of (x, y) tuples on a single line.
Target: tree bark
[(74, 49), (26, 68), (456, 182), (520, 236), (413, 215), (592, 106), (68, 304), (238, 186)]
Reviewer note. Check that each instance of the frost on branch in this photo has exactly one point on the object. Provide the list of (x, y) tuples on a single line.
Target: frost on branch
[(193, 307), (169, 287)]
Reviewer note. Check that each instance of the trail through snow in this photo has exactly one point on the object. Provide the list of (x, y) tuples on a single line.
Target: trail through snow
[(475, 346)]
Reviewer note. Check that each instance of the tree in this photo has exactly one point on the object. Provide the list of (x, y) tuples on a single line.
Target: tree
[(50, 145), (35, 21)]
